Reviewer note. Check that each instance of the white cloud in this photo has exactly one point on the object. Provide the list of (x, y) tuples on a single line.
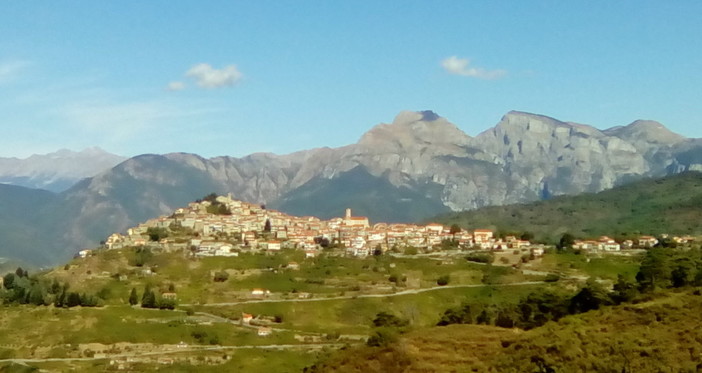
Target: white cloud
[(208, 77), (460, 66), (175, 86)]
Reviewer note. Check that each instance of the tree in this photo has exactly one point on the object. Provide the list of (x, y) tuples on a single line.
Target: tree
[(655, 270), (55, 287), (683, 273), (149, 299), (221, 276), (36, 295), (157, 234), (443, 280), (9, 280), (382, 338), (591, 297), (142, 255), (267, 226), (384, 319), (133, 297), (505, 319), (566, 242), (73, 299), (527, 236), (459, 315), (484, 318), (623, 290)]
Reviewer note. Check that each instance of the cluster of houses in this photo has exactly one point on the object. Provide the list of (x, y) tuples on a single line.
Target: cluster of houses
[(253, 227), (605, 243)]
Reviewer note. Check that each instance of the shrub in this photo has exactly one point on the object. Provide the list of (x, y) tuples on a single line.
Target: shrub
[(479, 257), (384, 319), (382, 338), (221, 276), (443, 280)]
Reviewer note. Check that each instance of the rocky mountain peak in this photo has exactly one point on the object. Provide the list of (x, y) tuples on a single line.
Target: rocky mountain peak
[(412, 129), (647, 131)]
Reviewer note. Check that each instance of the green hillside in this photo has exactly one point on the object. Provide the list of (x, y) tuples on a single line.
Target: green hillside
[(627, 338), (670, 205)]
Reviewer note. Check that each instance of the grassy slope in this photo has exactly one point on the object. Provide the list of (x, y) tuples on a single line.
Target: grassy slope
[(668, 205), (620, 339)]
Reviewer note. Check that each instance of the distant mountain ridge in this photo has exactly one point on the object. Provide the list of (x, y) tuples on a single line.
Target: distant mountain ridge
[(417, 166), (56, 171)]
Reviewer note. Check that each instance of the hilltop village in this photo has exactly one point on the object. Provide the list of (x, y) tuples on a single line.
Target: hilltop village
[(223, 226)]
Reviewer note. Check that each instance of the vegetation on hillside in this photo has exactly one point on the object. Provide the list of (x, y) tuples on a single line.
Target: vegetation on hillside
[(671, 205), (653, 336), (640, 325)]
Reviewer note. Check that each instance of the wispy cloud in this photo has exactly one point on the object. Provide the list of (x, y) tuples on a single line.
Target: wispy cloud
[(208, 77), (460, 66), (11, 69), (117, 121), (175, 86)]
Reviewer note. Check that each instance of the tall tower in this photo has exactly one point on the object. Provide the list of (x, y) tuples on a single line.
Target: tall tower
[(348, 214)]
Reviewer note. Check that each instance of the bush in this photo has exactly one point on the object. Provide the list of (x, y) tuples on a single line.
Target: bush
[(480, 257), (382, 338), (384, 319), (221, 276), (443, 280)]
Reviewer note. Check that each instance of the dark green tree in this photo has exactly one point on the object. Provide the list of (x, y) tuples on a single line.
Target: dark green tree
[(385, 319), (73, 299), (149, 299), (443, 280), (133, 297), (459, 315), (382, 337), (683, 272), (484, 318), (36, 295), (157, 234), (9, 280), (655, 270), (623, 290), (267, 226), (527, 236), (591, 297), (566, 242), (55, 287)]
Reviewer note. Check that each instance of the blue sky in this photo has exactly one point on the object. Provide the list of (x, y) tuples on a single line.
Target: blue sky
[(234, 77)]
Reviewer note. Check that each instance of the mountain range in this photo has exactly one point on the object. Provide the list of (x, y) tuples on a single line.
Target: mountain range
[(417, 166), (56, 171)]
